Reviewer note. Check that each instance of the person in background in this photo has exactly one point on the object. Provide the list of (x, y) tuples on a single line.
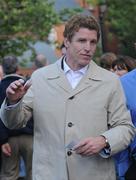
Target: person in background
[(123, 65), (107, 59), (124, 160), (128, 81), (78, 124), (14, 143), (120, 65), (40, 61)]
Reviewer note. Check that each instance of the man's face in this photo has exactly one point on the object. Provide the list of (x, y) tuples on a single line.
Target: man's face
[(81, 48)]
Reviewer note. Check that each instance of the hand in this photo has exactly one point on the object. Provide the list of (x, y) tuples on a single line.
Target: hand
[(17, 90), (6, 149), (91, 145)]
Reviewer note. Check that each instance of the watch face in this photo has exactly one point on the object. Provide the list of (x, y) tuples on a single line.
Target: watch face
[(107, 144)]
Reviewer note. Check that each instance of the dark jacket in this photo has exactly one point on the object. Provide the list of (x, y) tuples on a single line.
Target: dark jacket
[(5, 133)]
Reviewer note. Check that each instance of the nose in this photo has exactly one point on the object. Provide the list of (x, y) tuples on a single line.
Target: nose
[(87, 46)]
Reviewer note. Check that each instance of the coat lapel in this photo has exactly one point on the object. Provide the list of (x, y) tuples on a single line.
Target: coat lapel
[(57, 76), (91, 78)]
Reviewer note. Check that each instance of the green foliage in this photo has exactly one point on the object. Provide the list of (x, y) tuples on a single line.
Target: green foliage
[(67, 13), (96, 2), (23, 21), (121, 19), (121, 15), (92, 2)]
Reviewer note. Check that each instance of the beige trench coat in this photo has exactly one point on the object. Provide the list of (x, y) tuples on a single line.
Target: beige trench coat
[(96, 106)]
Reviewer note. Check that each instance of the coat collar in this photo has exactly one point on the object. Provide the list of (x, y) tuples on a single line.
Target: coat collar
[(94, 71), (56, 75)]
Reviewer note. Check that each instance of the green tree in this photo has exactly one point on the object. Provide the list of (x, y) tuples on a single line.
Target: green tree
[(67, 13), (121, 15), (121, 19), (22, 22)]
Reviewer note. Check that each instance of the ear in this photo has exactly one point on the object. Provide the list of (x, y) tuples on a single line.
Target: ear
[(66, 43)]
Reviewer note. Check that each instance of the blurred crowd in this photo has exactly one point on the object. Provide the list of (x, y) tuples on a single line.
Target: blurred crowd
[(16, 146)]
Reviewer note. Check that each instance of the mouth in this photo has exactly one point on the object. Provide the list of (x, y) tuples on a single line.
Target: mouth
[(86, 56)]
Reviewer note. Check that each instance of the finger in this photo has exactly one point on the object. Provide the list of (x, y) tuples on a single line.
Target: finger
[(19, 82), (27, 84), (87, 152), (22, 81), (83, 149), (8, 153), (5, 150), (91, 150), (9, 148), (13, 86), (10, 91), (16, 84), (79, 145)]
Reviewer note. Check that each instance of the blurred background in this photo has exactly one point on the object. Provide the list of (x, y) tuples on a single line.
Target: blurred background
[(31, 27)]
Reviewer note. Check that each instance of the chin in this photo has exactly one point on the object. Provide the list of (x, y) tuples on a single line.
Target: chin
[(86, 61)]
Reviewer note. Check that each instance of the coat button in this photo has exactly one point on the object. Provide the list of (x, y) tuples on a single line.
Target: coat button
[(70, 124), (69, 153), (72, 97)]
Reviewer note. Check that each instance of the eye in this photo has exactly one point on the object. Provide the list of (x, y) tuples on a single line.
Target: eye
[(82, 40), (93, 42)]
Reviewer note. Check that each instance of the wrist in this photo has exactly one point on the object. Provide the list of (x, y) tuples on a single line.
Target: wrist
[(9, 102), (107, 145)]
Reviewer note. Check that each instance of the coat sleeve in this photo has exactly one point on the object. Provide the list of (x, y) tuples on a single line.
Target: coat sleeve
[(16, 116), (121, 130)]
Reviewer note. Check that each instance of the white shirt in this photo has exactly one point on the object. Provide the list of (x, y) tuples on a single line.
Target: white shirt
[(74, 76)]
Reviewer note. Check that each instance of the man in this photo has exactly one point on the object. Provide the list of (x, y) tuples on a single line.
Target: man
[(18, 142), (40, 61), (79, 111), (107, 59)]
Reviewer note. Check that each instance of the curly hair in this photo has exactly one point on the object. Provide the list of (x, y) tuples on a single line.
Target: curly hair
[(80, 21)]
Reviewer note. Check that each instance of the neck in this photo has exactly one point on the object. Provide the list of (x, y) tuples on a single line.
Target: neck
[(72, 65)]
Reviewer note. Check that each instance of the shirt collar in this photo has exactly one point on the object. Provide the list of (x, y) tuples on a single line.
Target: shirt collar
[(67, 68)]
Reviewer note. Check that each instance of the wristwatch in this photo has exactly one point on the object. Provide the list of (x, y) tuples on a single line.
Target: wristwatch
[(107, 143)]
